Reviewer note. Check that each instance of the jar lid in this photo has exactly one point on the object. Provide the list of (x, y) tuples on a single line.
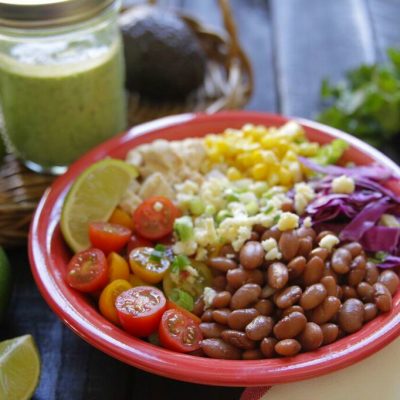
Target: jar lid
[(48, 13)]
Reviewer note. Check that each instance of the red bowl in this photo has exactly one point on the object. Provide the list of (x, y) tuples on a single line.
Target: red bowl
[(49, 255)]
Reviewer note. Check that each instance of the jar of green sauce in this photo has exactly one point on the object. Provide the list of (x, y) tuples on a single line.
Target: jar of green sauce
[(61, 79)]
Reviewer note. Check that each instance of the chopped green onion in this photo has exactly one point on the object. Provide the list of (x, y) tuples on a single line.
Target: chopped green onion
[(196, 206), (268, 209), (183, 227), (158, 253), (179, 263), (252, 208), (223, 214), (231, 197), (276, 218), (182, 298), (379, 257), (210, 210)]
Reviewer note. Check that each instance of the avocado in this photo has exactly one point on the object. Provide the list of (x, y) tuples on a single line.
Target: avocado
[(163, 57)]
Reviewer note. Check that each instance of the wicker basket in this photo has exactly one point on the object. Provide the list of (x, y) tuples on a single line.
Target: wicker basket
[(228, 85)]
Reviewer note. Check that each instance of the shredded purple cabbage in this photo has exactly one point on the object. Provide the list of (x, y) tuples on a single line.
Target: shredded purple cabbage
[(355, 216)]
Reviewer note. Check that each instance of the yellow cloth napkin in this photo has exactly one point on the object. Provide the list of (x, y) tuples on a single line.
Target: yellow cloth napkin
[(375, 378)]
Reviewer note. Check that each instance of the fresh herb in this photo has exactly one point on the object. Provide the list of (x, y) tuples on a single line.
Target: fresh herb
[(179, 263), (158, 253), (379, 257), (367, 104), (182, 298)]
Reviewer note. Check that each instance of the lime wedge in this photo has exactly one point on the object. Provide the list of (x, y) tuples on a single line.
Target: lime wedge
[(19, 368), (93, 197), (5, 282)]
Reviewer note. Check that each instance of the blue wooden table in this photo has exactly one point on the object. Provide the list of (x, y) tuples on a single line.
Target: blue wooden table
[(293, 45)]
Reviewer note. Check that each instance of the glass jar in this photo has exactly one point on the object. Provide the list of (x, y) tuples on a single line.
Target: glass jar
[(61, 79)]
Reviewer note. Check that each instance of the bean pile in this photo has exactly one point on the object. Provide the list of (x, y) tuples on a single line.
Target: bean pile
[(309, 298)]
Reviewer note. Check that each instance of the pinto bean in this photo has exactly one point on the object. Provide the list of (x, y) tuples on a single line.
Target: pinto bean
[(349, 292), (351, 315), (329, 332), (390, 279), (313, 271), (267, 346), (207, 316), (219, 282), (222, 264), (341, 259), (254, 354), (211, 329), (382, 297), (291, 309), (288, 245), (259, 328), (227, 251), (311, 338), (238, 339), (303, 232), (238, 319), (313, 296), (357, 271), (290, 326), (273, 233), (354, 248), (287, 347), (365, 292), (320, 252), (370, 311), (264, 307), (371, 273), (278, 275), (245, 296), (330, 285), (221, 315), (251, 255), (198, 307), (296, 267), (221, 299), (218, 348), (325, 311), (287, 297), (305, 246)]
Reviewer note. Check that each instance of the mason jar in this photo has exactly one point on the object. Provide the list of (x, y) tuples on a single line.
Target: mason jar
[(61, 79)]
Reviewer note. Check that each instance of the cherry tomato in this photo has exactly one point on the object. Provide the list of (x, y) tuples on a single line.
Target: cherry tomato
[(108, 237), (173, 306), (118, 267), (137, 241), (88, 271), (134, 280), (178, 332), (192, 282), (155, 217), (140, 309), (108, 297), (146, 268), (121, 217)]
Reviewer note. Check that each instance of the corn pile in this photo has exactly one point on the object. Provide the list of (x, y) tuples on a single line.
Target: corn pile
[(260, 153)]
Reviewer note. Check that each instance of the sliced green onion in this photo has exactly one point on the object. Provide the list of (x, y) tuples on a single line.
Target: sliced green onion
[(196, 206), (223, 214), (158, 253), (268, 209), (276, 218), (179, 263), (182, 298), (183, 227)]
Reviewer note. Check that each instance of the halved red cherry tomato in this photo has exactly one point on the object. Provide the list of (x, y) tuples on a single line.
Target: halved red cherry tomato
[(178, 332), (108, 237), (140, 309), (137, 241), (155, 217), (88, 271), (173, 306)]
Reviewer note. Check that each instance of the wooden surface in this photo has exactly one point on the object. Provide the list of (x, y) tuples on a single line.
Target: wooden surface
[(292, 44)]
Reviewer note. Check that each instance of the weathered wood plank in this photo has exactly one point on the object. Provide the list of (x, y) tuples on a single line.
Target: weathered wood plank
[(315, 39)]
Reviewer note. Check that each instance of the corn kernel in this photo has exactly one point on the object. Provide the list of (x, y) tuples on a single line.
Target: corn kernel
[(285, 176), (288, 221), (273, 179), (233, 174), (259, 171)]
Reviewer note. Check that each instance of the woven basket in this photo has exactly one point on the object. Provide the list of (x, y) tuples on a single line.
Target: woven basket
[(228, 85)]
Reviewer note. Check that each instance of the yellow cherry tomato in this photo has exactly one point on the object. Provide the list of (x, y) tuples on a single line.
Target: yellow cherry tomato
[(145, 267), (134, 280), (108, 297), (118, 267), (121, 217)]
